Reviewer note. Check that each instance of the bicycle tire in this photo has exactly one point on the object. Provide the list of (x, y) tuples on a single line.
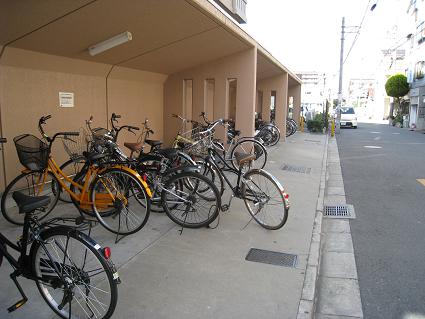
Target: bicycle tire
[(47, 261), (127, 190), (9, 208), (275, 135), (186, 213), (257, 148), (70, 168), (261, 189)]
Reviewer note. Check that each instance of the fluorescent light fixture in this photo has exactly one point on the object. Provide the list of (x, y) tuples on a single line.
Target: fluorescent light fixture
[(110, 43)]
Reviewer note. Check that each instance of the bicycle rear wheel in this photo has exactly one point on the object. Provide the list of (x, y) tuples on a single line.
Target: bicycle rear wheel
[(120, 201), (264, 198), (74, 278), (31, 184), (185, 205), (250, 146)]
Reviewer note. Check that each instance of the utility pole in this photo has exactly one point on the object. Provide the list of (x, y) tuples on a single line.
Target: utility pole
[(341, 65)]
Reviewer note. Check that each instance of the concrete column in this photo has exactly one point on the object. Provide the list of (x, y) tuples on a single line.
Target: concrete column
[(267, 100), (281, 102), (295, 92), (220, 104), (246, 93)]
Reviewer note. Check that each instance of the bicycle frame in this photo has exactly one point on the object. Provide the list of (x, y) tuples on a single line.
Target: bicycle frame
[(83, 197), (211, 154)]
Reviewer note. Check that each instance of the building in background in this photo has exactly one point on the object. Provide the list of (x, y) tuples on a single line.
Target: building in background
[(313, 92), (416, 66), (361, 96)]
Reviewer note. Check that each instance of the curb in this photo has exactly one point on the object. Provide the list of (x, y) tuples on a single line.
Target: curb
[(306, 307)]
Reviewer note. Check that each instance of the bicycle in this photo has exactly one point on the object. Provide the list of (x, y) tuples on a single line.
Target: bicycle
[(199, 139), (264, 197), (268, 132), (74, 274), (107, 191), (187, 197)]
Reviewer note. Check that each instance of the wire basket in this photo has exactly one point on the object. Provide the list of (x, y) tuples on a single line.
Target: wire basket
[(198, 145), (76, 145), (33, 153)]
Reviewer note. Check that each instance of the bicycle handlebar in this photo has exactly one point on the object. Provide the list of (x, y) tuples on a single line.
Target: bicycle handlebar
[(68, 133)]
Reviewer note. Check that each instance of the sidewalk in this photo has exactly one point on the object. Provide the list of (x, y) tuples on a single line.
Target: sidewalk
[(203, 273)]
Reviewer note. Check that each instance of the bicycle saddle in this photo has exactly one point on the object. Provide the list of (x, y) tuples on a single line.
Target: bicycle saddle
[(244, 158), (28, 204), (134, 147)]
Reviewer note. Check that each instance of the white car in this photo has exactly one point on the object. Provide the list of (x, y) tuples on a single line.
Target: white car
[(348, 117)]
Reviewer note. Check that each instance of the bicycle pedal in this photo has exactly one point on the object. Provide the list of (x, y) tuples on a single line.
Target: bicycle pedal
[(79, 220), (17, 305), (224, 208)]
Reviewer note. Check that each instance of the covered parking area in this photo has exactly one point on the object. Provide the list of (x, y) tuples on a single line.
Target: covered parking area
[(185, 57)]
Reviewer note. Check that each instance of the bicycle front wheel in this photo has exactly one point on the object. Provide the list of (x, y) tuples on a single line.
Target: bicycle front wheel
[(120, 201), (186, 205), (264, 198), (31, 184), (73, 277)]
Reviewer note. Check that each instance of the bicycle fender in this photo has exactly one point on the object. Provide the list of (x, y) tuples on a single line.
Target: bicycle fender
[(140, 179), (281, 188), (85, 238), (183, 169)]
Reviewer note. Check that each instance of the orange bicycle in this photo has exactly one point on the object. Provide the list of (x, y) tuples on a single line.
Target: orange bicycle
[(115, 194)]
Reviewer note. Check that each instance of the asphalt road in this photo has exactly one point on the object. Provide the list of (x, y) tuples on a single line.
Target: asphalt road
[(389, 231)]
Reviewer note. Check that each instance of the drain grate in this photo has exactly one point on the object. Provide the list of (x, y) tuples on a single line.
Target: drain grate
[(312, 141), (296, 169), (340, 211), (271, 257)]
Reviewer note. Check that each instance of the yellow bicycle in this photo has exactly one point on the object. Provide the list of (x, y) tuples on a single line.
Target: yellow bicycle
[(115, 194)]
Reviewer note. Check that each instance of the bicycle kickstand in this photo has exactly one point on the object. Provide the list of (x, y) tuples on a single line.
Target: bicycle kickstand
[(24, 299)]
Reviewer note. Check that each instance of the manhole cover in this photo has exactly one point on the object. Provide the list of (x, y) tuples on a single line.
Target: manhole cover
[(271, 257), (340, 211), (296, 169)]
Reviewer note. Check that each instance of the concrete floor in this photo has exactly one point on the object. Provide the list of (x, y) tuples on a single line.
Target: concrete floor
[(202, 273)]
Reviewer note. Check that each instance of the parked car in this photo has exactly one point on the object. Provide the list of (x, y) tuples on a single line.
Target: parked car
[(348, 117)]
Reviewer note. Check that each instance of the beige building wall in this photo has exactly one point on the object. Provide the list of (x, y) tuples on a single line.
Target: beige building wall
[(279, 84), (30, 83), (240, 66)]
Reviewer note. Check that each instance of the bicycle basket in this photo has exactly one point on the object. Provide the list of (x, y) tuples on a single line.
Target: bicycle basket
[(33, 153), (76, 145)]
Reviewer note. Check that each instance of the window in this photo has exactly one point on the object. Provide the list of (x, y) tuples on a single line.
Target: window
[(419, 69), (420, 31), (347, 110)]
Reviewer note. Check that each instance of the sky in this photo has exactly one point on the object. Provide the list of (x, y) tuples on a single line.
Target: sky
[(304, 35)]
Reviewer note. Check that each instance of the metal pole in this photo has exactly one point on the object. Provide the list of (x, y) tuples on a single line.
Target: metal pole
[(341, 65)]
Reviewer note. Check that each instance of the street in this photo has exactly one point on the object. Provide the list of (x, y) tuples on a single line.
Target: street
[(381, 166)]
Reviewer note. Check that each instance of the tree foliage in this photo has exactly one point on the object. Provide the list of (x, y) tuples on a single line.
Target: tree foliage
[(397, 86)]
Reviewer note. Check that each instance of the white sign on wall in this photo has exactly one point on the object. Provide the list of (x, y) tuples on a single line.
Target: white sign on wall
[(66, 99)]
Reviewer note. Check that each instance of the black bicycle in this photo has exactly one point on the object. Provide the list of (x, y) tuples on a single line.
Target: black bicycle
[(264, 197), (73, 273)]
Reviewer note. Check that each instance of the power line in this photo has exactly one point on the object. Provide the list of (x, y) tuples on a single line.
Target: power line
[(358, 32)]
